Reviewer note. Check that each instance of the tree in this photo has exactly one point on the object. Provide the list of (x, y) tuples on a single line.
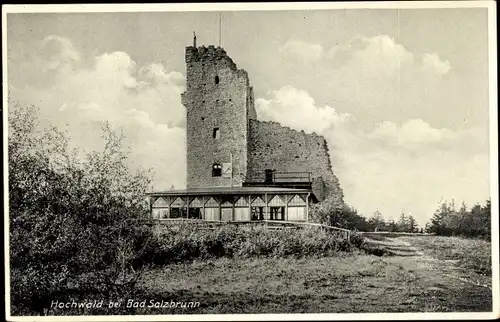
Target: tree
[(328, 212), (377, 221), (74, 226), (402, 223), (392, 226), (353, 220), (436, 223), (412, 224)]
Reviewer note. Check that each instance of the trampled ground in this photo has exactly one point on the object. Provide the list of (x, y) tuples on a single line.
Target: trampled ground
[(416, 276)]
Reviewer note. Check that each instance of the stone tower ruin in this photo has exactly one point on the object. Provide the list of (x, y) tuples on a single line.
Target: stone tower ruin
[(219, 105), (228, 147), (240, 168)]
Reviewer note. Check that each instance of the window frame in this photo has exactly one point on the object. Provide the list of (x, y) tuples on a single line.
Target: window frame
[(216, 169), (216, 133)]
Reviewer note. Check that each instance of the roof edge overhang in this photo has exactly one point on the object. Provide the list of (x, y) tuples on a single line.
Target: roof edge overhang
[(231, 191)]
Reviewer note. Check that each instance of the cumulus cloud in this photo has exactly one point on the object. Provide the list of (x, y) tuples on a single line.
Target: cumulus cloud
[(374, 78), (297, 109), (434, 63), (57, 53), (393, 166), (379, 56), (142, 102), (301, 51), (411, 133), (382, 56)]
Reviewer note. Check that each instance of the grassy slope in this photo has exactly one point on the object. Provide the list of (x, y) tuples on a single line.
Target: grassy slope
[(473, 254), (409, 281), (347, 283)]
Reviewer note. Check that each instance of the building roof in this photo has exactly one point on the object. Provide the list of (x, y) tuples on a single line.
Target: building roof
[(226, 190)]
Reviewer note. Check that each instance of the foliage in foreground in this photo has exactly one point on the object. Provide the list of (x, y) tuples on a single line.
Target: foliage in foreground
[(173, 244), (72, 221)]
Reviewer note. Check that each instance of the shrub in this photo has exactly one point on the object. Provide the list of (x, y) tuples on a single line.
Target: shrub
[(73, 221), (174, 244)]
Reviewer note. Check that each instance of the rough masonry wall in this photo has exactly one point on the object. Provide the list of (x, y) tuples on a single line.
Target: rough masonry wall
[(218, 95), (273, 146)]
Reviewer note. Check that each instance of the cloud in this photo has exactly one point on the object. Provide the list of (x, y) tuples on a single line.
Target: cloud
[(57, 53), (143, 102), (376, 79), (393, 166), (434, 63), (411, 133), (375, 57), (297, 109), (382, 56), (301, 51)]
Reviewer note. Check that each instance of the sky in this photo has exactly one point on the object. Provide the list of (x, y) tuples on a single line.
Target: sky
[(401, 96)]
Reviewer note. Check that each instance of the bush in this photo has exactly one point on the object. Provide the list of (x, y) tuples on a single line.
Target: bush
[(73, 221), (174, 244)]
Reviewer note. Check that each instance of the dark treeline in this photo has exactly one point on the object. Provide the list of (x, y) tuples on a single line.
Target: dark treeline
[(450, 221), (446, 221), (356, 221), (333, 214)]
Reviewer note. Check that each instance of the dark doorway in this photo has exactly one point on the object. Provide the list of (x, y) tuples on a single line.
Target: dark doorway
[(177, 212), (269, 176), (194, 213), (257, 213), (277, 213)]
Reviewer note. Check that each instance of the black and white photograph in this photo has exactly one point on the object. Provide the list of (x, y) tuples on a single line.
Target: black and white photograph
[(250, 161)]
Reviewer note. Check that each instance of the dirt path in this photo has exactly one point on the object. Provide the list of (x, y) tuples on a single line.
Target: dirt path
[(401, 247), (442, 278), (406, 279)]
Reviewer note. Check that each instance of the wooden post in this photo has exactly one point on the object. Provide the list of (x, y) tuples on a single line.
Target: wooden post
[(286, 207), (169, 201), (203, 201), (232, 209), (307, 206), (187, 207), (250, 207), (219, 201), (265, 209)]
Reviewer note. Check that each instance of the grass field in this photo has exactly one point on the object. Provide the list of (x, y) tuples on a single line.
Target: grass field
[(414, 274), (419, 274), (473, 254)]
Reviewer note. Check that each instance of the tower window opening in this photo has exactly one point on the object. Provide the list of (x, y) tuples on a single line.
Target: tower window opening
[(217, 79), (216, 170), (216, 133)]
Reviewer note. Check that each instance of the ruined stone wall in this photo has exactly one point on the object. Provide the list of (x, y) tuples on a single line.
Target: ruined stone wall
[(273, 146), (218, 95)]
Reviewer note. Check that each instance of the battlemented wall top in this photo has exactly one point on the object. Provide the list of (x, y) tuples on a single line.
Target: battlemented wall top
[(210, 53)]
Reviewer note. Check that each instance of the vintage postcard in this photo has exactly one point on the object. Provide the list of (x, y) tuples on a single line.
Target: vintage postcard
[(257, 161)]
